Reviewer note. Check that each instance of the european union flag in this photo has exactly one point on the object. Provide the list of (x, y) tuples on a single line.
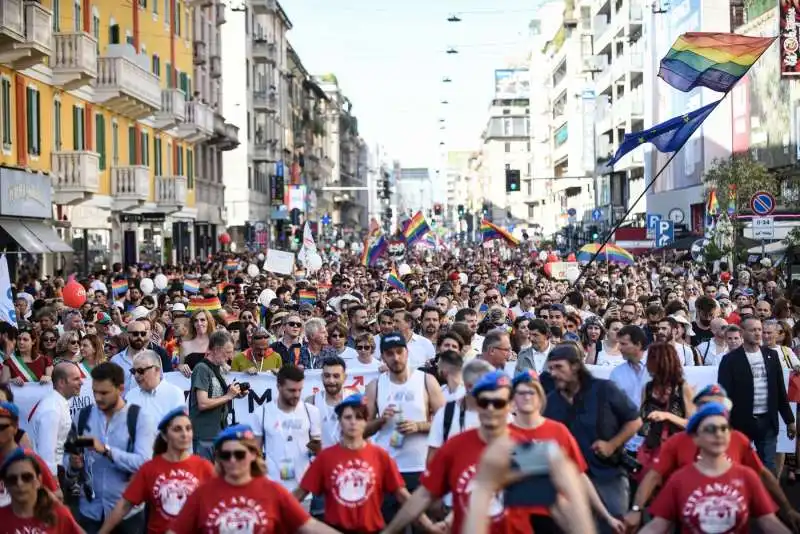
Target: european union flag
[(668, 136)]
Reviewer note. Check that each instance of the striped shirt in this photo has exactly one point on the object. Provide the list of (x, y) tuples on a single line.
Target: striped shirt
[(760, 392)]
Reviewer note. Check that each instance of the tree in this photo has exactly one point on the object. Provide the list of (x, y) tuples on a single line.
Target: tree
[(741, 176)]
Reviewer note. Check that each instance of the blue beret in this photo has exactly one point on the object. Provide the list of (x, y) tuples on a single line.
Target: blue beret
[(707, 410), (233, 433), (525, 377), (711, 390), (10, 410), (354, 400), (177, 412), (15, 456), (491, 382)]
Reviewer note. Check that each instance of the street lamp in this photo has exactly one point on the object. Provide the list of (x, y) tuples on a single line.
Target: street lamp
[(444, 102), (446, 80), (453, 18), (452, 50)]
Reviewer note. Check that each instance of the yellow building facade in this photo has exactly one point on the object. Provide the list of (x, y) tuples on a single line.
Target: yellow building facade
[(99, 95)]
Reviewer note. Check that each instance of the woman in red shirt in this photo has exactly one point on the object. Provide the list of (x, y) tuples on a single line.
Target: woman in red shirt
[(166, 481), (25, 364), (353, 475), (713, 494), (33, 508), (242, 498)]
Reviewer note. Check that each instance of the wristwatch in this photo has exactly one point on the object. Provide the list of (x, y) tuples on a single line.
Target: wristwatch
[(107, 453), (636, 508)]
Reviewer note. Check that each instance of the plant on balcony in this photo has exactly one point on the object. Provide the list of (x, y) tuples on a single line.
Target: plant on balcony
[(318, 126)]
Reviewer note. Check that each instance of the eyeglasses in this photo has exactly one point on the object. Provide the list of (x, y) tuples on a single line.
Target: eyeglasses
[(25, 478), (712, 430), (141, 370), (226, 456), (497, 404), (137, 334), (503, 349), (363, 347), (294, 325), (48, 340), (492, 297)]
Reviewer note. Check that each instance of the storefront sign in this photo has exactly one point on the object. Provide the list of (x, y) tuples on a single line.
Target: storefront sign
[(142, 217), (25, 194), (277, 190), (790, 45)]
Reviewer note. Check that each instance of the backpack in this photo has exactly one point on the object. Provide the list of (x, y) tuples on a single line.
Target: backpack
[(132, 419)]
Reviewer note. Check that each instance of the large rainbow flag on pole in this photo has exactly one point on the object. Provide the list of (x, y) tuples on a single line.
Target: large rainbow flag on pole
[(491, 231), (373, 250), (713, 60)]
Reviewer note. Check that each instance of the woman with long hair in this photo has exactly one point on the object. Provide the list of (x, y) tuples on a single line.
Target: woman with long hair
[(610, 353), (242, 494), (33, 508), (520, 336), (68, 346), (165, 482), (48, 339), (592, 334), (337, 338), (666, 402), (194, 349), (92, 353), (713, 478), (25, 364)]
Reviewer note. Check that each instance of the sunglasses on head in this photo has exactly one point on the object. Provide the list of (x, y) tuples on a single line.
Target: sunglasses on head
[(13, 480), (238, 454), (485, 402)]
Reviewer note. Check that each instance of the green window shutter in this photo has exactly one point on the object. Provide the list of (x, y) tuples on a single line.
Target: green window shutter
[(169, 74), (131, 145), (189, 169), (28, 118), (157, 154), (38, 101), (188, 90), (144, 145), (100, 132), (184, 84), (75, 139)]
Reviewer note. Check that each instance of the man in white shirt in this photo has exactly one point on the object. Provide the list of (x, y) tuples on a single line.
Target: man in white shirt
[(138, 338), (714, 349), (154, 395), (50, 420), (420, 350), (288, 429), (449, 364)]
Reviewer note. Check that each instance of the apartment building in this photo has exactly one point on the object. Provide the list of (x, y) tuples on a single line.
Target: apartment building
[(101, 98)]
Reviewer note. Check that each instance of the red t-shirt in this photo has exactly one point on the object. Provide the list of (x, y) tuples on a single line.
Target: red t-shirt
[(37, 367), (165, 486), (258, 507), (722, 504), (679, 451), (48, 480), (452, 469), (353, 483), (551, 431), (65, 524)]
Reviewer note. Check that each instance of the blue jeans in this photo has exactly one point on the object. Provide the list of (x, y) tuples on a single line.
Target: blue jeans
[(766, 441), (204, 449), (614, 494)]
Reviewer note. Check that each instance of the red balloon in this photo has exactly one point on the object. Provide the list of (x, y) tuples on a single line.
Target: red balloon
[(551, 258), (571, 257), (548, 269), (224, 238), (74, 294)]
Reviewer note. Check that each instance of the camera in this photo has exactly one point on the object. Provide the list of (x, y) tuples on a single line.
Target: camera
[(244, 386), (75, 444)]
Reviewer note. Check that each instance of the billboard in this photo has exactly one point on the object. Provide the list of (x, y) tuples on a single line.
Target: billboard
[(511, 84), (789, 19), (762, 105)]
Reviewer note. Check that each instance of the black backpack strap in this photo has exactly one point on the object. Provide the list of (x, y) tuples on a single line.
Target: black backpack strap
[(462, 414), (133, 418), (449, 412)]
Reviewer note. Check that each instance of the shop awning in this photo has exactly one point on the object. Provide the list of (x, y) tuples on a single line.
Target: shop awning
[(48, 236)]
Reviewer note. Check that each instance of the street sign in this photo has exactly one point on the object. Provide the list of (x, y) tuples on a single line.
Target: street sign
[(571, 212), (762, 203), (326, 219), (763, 227), (652, 220), (597, 214), (665, 233)]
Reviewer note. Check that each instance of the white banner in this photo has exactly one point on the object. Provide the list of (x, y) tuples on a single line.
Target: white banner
[(263, 388)]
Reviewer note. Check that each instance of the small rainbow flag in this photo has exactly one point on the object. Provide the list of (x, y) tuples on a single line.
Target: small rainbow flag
[(307, 296), (221, 287), (231, 265), (119, 288), (712, 205), (713, 60), (492, 231), (394, 281), (191, 286), (208, 304), (415, 228)]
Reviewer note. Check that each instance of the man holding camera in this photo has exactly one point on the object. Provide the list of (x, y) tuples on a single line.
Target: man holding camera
[(109, 442)]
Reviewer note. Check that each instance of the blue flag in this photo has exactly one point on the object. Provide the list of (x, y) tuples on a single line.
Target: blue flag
[(668, 136)]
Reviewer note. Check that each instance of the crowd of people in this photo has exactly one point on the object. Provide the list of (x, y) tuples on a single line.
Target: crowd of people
[(479, 359)]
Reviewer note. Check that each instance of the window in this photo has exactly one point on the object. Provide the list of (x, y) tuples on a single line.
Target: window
[(77, 17), (248, 126), (156, 65), (177, 18), (143, 4), (114, 143), (169, 158), (530, 183), (56, 16), (179, 161), (34, 121), (95, 27), (189, 168), (57, 124), (168, 72), (113, 34), (188, 89), (6, 101), (508, 147), (249, 175), (183, 82), (155, 7), (166, 11), (528, 146), (100, 138), (507, 128), (144, 147), (247, 73), (128, 37), (531, 211), (157, 156), (78, 128), (187, 26), (131, 145)]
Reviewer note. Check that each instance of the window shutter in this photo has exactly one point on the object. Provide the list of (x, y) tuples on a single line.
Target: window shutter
[(38, 123), (100, 127), (28, 118), (131, 145), (169, 74), (189, 168), (75, 139)]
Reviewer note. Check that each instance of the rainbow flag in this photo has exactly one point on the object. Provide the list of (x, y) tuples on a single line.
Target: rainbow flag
[(231, 265), (415, 228), (119, 288), (713, 60), (492, 231), (394, 281), (712, 205), (307, 296), (208, 304), (191, 286), (221, 287), (373, 250)]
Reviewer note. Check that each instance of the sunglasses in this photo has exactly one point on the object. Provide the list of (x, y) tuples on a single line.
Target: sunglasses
[(48, 340), (73, 341), (4, 426), (715, 429), (363, 347), (247, 317), (497, 404), (141, 370), (13, 480), (226, 456), (137, 334), (295, 325)]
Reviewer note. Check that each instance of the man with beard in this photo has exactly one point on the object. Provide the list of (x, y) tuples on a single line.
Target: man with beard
[(431, 323), (420, 350), (357, 318), (707, 310), (138, 339)]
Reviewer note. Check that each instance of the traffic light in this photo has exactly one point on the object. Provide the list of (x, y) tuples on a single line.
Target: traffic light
[(485, 210), (595, 232), (461, 210), (512, 180), (437, 209)]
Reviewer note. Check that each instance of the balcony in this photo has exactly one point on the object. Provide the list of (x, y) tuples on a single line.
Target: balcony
[(199, 123), (264, 7), (173, 109), (171, 193), (216, 66), (76, 175), (200, 54), (264, 150), (75, 60), (125, 87), (220, 19), (26, 35), (264, 51), (265, 101), (200, 3), (130, 186)]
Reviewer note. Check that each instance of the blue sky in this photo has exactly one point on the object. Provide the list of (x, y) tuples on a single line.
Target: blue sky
[(389, 57)]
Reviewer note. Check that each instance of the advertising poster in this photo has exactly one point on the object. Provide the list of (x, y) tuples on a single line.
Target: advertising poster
[(511, 84), (789, 19)]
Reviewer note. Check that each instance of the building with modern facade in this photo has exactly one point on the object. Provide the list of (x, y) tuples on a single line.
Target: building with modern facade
[(414, 192)]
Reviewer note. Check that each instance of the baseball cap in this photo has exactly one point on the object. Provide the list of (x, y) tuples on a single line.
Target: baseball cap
[(707, 410), (491, 382), (392, 340), (306, 307), (179, 307), (525, 377)]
